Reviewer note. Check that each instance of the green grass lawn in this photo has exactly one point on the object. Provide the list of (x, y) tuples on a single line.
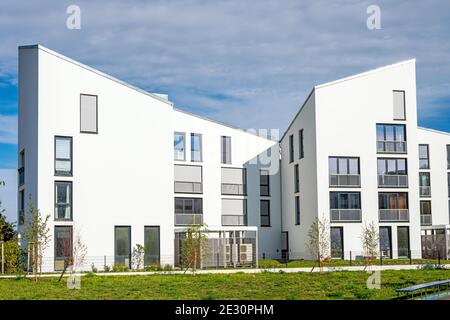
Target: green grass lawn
[(333, 285)]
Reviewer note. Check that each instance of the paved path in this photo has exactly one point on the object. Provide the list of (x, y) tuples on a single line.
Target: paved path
[(227, 271)]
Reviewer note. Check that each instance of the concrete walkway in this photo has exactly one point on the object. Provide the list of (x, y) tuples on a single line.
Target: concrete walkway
[(250, 271)]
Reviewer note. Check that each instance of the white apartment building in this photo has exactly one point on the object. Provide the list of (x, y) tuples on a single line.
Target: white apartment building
[(118, 166)]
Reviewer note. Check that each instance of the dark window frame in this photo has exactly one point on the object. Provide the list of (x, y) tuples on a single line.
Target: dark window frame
[(184, 145), (301, 151), (389, 233), (21, 169), (194, 211), (339, 199), (396, 200), (129, 246), (224, 151), (56, 200), (264, 185), (396, 165), (341, 235), (265, 215), (297, 211), (296, 178), (69, 227), (63, 173), (159, 242), (404, 105), (200, 136), (291, 148), (394, 125), (427, 158), (337, 158), (96, 113)]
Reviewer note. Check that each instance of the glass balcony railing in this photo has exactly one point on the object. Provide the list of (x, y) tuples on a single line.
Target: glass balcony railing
[(425, 191), (234, 189), (385, 146), (345, 180), (393, 215), (234, 220), (345, 215), (188, 187), (186, 219), (425, 220), (391, 181)]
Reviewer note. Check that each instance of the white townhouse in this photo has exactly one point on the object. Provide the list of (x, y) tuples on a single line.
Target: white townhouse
[(119, 166)]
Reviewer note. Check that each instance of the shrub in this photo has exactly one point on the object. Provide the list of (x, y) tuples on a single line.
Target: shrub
[(120, 268), (94, 268)]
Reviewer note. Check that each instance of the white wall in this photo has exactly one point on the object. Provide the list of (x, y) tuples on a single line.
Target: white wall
[(8, 194)]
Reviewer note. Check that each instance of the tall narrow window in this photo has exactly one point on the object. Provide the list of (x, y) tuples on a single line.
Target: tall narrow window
[(196, 147), (63, 156), (21, 218), (297, 210), (264, 183), (151, 246), (63, 246), (63, 200), (296, 179), (122, 245), (225, 149), (301, 151), (403, 242), (424, 156), (448, 156), (424, 184), (337, 242), (21, 168), (291, 148), (399, 105), (385, 242), (88, 113), (265, 213), (179, 146), (425, 213), (448, 183), (188, 211)]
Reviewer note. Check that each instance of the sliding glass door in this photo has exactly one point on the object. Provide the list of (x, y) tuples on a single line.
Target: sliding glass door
[(151, 245), (122, 246)]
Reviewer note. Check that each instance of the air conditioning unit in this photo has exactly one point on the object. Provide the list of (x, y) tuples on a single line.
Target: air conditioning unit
[(246, 253)]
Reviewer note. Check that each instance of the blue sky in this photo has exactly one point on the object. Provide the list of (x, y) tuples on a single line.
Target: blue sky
[(247, 63)]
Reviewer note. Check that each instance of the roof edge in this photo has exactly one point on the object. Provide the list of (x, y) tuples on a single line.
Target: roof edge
[(434, 130)]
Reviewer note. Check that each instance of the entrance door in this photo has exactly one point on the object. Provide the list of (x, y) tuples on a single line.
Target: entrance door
[(386, 242), (403, 242), (122, 246), (337, 242), (63, 246)]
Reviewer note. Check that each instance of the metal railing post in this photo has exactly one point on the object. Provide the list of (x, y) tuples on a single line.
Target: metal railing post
[(104, 263), (350, 258), (410, 256), (381, 259)]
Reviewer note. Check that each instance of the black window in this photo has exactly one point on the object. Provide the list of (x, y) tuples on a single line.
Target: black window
[(297, 210), (392, 200), (296, 179), (188, 205), (424, 156), (385, 242), (425, 207), (265, 213), (21, 168), (424, 184), (403, 242), (225, 149), (21, 217), (151, 245), (122, 245), (337, 242), (63, 156), (345, 200), (392, 166), (391, 138), (343, 165), (63, 246), (291, 148), (264, 182), (301, 152), (63, 200)]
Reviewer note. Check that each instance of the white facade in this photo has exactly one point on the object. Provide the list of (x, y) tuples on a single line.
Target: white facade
[(133, 165), (8, 194)]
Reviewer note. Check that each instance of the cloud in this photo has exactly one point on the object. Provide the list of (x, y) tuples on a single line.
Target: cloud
[(249, 63), (8, 129)]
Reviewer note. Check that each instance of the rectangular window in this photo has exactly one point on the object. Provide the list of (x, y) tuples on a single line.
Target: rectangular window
[(403, 242), (399, 105), (385, 236), (296, 179), (21, 218), (297, 210), (234, 212), (393, 200), (424, 184), (88, 113), (122, 245), (424, 156), (196, 147), (448, 156), (234, 181), (188, 179), (188, 211), (225, 149), (63, 246), (344, 171), (391, 138), (291, 148), (448, 183), (179, 146), (425, 213), (63, 156), (301, 152), (345, 200), (392, 172), (63, 200), (264, 183), (337, 242), (265, 213), (151, 246), (21, 169)]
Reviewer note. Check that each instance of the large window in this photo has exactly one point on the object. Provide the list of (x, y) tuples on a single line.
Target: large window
[(63, 246), (392, 172), (196, 147), (424, 184), (188, 179), (393, 206), (225, 149), (188, 211), (179, 146), (21, 168), (122, 247), (264, 182), (297, 210), (63, 200), (301, 151), (399, 105), (385, 236), (291, 148), (151, 245), (345, 206), (234, 181), (425, 213), (344, 171), (424, 156), (63, 156), (337, 242), (88, 113), (403, 242), (296, 179), (234, 212), (265, 213), (391, 138)]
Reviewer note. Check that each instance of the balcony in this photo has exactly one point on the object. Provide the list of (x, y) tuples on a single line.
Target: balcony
[(392, 181), (188, 219), (234, 189), (234, 220), (188, 187), (425, 220), (345, 180), (425, 191), (345, 215), (391, 146), (394, 215)]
